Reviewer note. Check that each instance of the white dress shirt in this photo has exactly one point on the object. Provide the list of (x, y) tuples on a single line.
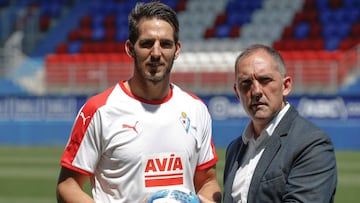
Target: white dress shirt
[(252, 155)]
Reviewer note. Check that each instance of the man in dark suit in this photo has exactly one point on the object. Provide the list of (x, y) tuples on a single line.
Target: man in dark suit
[(280, 157)]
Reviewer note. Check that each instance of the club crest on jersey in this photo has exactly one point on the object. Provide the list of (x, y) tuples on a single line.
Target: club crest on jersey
[(185, 121), (163, 169)]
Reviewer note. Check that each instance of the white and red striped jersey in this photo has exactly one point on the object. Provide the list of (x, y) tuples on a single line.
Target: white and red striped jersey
[(131, 147)]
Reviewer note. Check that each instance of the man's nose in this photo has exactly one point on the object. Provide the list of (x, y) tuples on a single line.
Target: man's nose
[(256, 89), (156, 50)]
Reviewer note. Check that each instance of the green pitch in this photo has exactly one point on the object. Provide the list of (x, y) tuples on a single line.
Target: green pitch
[(29, 174)]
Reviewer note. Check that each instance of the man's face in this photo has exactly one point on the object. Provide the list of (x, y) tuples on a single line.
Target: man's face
[(260, 86), (155, 50)]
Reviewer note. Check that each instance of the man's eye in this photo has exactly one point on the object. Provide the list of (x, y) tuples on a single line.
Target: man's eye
[(265, 80), (166, 44), (245, 84), (147, 44)]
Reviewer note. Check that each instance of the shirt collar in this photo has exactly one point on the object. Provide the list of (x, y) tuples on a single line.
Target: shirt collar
[(269, 130)]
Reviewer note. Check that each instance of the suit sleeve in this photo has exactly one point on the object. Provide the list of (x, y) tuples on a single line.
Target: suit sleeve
[(313, 176)]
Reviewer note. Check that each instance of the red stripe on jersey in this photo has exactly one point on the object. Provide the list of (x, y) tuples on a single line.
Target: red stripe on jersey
[(163, 181), (154, 176), (153, 102), (80, 127), (210, 163)]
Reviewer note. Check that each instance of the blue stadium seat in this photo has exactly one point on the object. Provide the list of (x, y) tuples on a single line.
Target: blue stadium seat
[(74, 47), (332, 43), (223, 31), (121, 20), (353, 15), (351, 4), (329, 30), (244, 5), (171, 3), (97, 20), (238, 18), (336, 30), (4, 3), (322, 4), (302, 30), (121, 34), (51, 9), (98, 34)]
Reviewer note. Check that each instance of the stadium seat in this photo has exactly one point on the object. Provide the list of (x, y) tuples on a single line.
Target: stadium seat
[(85, 21), (235, 31), (98, 34), (223, 31), (315, 30), (302, 30), (74, 47), (332, 43), (4, 3), (50, 8), (44, 23), (355, 31), (209, 32), (109, 21), (351, 4), (61, 48), (238, 18)]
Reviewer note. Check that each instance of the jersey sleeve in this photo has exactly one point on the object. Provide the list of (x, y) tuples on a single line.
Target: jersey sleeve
[(83, 149), (207, 156)]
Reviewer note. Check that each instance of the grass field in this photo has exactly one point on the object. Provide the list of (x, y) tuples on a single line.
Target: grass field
[(29, 174)]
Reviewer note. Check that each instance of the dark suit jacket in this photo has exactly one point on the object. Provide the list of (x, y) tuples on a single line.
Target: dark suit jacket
[(298, 165)]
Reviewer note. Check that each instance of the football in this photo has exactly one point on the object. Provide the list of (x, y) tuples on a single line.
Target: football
[(176, 195)]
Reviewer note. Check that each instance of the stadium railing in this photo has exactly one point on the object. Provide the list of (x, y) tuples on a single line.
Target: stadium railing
[(313, 71)]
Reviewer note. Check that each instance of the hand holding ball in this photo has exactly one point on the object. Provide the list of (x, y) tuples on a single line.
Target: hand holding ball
[(176, 195)]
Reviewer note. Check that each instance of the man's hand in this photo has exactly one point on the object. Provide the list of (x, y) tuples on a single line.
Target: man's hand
[(204, 200)]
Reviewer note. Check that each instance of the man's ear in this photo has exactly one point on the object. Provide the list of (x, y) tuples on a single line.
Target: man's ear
[(178, 48), (287, 85), (236, 91), (129, 48)]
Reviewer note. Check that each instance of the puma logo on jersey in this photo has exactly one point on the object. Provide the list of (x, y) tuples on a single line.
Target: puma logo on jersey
[(131, 127), (83, 117), (164, 170)]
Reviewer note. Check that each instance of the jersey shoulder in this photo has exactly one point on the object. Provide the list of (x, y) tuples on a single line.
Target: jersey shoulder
[(97, 101), (186, 93)]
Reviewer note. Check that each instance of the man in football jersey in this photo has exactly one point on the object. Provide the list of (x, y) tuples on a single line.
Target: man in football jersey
[(143, 134)]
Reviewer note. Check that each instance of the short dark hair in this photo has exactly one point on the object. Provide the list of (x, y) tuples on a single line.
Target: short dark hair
[(153, 9), (279, 61)]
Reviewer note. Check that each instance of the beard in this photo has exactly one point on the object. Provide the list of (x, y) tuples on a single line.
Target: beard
[(153, 75)]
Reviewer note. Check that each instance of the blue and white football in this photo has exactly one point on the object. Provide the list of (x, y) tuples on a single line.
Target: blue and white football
[(176, 195)]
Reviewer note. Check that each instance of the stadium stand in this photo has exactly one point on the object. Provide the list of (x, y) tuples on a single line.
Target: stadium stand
[(316, 37), (323, 24)]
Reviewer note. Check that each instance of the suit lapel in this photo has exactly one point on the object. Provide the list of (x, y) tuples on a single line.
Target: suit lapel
[(270, 152), (232, 173)]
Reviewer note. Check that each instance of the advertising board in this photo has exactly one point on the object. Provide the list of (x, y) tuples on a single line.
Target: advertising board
[(48, 120)]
